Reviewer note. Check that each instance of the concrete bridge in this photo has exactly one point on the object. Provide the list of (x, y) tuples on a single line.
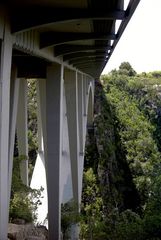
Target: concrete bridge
[(64, 45)]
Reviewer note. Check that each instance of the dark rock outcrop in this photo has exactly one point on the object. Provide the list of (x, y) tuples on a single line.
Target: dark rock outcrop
[(26, 232)]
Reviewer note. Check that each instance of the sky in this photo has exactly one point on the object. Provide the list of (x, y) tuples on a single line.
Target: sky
[(140, 44)]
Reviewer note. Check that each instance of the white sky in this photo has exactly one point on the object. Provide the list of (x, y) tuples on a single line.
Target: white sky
[(140, 43)]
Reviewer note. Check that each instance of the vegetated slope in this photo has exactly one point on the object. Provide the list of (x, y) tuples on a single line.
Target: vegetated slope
[(123, 161)]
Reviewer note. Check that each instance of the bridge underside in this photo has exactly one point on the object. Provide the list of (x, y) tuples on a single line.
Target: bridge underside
[(64, 45)]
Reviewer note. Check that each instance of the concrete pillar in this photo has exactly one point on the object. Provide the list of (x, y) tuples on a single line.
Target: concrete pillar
[(87, 84), (80, 112), (85, 92), (5, 72), (41, 112), (22, 134), (14, 93), (81, 133), (53, 146), (71, 92), (90, 110), (85, 98)]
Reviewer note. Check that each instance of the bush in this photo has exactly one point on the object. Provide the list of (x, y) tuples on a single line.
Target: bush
[(24, 200), (24, 205), (69, 216)]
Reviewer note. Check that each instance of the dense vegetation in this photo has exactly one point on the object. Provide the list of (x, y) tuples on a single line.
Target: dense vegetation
[(122, 180), (24, 200)]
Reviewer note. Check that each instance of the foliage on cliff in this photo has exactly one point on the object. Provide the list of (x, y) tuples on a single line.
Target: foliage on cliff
[(127, 165), (24, 200)]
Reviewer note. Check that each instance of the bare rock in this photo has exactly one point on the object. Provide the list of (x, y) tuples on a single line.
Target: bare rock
[(36, 238), (27, 232), (19, 221)]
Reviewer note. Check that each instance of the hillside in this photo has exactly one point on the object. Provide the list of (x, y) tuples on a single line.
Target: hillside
[(122, 180)]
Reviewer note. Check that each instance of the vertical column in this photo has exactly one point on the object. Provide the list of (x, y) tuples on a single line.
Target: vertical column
[(71, 92), (85, 94), (41, 112), (53, 146), (87, 84), (90, 109), (14, 93), (5, 71), (80, 111), (22, 136), (90, 103), (81, 132)]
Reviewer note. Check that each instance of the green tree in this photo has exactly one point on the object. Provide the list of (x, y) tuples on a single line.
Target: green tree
[(126, 69), (91, 207)]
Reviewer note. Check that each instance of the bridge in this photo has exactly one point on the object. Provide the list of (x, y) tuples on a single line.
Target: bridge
[(64, 45)]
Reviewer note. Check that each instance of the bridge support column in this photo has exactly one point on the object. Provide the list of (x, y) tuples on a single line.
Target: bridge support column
[(90, 108), (22, 136), (71, 93), (53, 148), (80, 111), (81, 132), (41, 113), (5, 72), (85, 98), (14, 94)]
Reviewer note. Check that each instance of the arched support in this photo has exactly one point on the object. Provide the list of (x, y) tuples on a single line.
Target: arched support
[(88, 103), (62, 130), (85, 107), (82, 132), (22, 136), (90, 107), (71, 93)]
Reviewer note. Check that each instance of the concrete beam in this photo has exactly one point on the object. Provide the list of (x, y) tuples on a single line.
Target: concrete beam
[(90, 63), (86, 60), (49, 39), (69, 49), (75, 56), (41, 16)]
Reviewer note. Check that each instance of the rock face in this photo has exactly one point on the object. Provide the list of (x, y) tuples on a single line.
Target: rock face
[(117, 188), (27, 232)]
